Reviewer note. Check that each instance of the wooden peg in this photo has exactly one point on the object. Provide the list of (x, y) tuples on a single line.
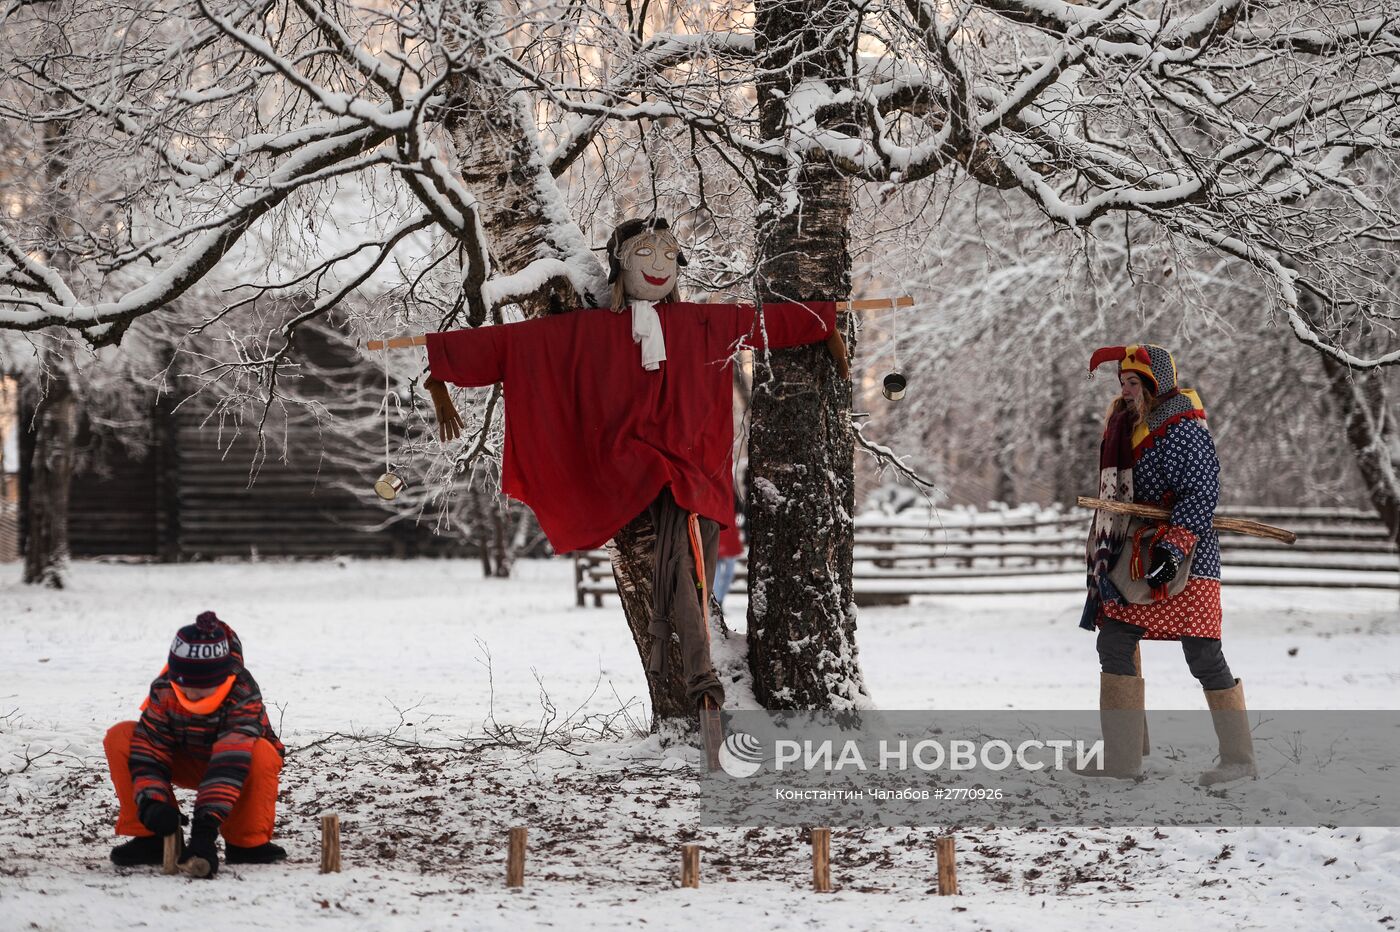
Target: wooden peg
[(515, 858), (690, 866), (330, 843), (821, 860), (170, 861), (947, 867)]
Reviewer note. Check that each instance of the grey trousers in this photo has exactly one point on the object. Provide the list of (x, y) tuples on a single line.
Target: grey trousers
[(1118, 640), (679, 602)]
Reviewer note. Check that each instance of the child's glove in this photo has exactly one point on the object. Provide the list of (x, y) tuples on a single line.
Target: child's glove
[(160, 817), (201, 848)]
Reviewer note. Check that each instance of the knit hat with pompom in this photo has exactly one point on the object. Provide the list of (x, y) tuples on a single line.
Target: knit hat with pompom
[(200, 655)]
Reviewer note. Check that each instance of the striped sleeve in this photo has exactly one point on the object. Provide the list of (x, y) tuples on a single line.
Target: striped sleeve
[(152, 747), (231, 756)]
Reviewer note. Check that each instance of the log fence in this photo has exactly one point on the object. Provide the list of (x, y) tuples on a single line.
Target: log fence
[(963, 553)]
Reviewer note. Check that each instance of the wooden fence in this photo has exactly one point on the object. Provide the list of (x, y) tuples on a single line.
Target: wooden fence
[(957, 553)]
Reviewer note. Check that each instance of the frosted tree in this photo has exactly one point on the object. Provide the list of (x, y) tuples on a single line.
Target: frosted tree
[(509, 133)]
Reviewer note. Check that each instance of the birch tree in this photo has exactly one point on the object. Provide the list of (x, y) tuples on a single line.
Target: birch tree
[(1247, 128)]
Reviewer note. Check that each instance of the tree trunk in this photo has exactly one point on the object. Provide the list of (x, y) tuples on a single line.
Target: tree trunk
[(55, 421), (50, 475), (802, 615), (1362, 399), (492, 127)]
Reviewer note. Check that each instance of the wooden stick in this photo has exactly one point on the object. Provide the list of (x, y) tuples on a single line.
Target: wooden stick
[(398, 342), (330, 843), (947, 867), (690, 866), (1232, 525), (170, 862), (515, 858), (821, 860), (857, 304), (875, 304)]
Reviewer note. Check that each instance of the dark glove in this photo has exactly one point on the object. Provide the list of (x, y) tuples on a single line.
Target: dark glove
[(201, 847), (158, 816), (1164, 566)]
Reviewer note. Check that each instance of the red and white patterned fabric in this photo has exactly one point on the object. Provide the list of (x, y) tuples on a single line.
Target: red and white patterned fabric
[(1194, 612)]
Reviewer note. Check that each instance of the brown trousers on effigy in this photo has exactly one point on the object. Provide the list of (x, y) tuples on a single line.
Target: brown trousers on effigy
[(679, 601)]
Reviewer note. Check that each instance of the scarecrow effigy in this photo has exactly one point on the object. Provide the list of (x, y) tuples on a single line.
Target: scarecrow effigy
[(612, 412)]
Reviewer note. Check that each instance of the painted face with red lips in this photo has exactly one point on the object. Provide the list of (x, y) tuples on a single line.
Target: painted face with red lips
[(650, 265)]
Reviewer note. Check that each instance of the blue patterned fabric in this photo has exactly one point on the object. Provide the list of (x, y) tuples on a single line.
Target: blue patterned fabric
[(1183, 463)]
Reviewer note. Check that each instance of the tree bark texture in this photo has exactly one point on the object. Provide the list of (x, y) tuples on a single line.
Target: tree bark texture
[(491, 124), (50, 475), (802, 615)]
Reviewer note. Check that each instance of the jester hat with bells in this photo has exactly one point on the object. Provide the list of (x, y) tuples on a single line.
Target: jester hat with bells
[(1157, 369)]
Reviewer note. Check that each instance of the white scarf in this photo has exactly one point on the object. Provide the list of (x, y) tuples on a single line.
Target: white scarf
[(646, 330)]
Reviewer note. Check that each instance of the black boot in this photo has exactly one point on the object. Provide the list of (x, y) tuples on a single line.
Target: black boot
[(140, 851), (266, 853)]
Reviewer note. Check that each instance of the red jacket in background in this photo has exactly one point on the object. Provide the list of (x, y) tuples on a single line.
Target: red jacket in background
[(591, 436)]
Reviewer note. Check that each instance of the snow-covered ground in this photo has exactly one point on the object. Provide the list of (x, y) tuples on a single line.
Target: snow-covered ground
[(415, 697)]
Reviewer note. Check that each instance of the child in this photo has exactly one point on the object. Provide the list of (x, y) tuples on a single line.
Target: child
[(202, 727)]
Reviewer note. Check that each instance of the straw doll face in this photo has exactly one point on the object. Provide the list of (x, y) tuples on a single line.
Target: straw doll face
[(650, 262)]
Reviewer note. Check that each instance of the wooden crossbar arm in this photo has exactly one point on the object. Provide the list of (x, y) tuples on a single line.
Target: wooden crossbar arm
[(398, 342), (858, 304), (1232, 525)]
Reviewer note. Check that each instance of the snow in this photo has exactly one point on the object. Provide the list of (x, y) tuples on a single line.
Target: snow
[(378, 674)]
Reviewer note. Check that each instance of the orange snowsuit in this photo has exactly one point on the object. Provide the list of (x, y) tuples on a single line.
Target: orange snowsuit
[(223, 747)]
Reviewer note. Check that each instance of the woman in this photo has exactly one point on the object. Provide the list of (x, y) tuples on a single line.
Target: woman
[(1158, 450)]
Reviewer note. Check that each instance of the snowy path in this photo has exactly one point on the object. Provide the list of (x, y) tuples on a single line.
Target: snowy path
[(343, 647)]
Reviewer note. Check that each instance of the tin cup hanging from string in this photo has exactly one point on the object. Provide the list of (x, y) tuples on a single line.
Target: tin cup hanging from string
[(390, 484), (894, 383)]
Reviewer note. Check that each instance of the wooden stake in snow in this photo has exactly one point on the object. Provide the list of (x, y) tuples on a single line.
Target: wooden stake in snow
[(170, 863), (947, 867), (821, 860), (330, 843), (690, 866), (515, 858)]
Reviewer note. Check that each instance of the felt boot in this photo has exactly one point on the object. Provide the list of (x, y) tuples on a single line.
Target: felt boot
[(1231, 720), (1123, 721)]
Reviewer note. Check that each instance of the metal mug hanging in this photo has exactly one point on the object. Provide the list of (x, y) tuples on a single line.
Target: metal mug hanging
[(894, 385), (388, 486)]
